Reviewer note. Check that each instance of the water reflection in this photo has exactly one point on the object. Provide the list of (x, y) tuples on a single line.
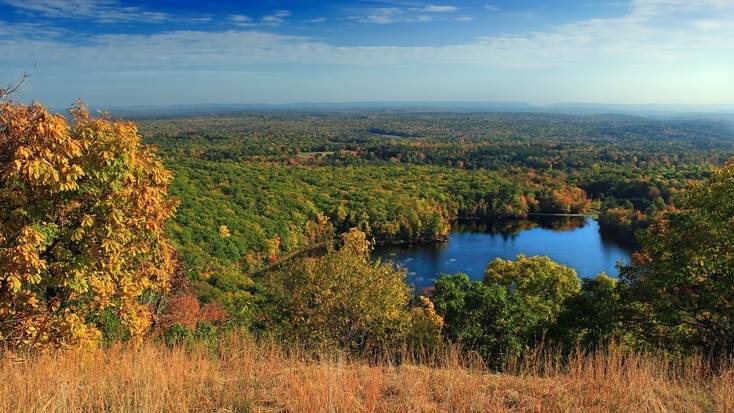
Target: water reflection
[(512, 228), (573, 241)]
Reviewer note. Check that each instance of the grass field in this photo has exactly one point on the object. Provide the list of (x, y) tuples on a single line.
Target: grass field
[(245, 377)]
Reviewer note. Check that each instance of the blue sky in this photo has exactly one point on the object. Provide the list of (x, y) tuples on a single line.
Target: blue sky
[(117, 53)]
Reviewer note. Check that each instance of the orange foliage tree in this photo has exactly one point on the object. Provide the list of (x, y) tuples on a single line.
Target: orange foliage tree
[(83, 207)]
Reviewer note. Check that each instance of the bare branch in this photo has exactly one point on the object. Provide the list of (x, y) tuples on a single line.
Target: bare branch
[(12, 88)]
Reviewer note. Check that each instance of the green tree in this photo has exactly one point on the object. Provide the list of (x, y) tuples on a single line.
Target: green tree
[(543, 284), (511, 309), (591, 318), (682, 281), (485, 318)]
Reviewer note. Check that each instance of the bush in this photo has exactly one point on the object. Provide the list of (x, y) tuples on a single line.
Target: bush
[(510, 310), (343, 300)]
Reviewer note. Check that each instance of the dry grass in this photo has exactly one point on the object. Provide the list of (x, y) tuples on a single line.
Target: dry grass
[(254, 378)]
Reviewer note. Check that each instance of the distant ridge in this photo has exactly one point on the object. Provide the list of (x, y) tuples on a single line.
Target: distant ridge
[(647, 110)]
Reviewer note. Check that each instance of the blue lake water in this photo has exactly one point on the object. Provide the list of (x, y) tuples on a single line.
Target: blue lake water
[(573, 241)]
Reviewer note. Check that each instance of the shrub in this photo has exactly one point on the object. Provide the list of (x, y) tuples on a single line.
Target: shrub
[(343, 300)]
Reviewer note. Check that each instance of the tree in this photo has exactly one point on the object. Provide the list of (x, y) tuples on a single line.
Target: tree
[(682, 280), (511, 309), (484, 318), (543, 284), (83, 208), (593, 317), (343, 300)]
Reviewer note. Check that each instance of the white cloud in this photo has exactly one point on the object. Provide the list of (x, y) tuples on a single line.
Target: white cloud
[(36, 31), (622, 40), (434, 8), (712, 24), (102, 11), (383, 15), (240, 20), (390, 15), (491, 7), (654, 37), (653, 8), (276, 18)]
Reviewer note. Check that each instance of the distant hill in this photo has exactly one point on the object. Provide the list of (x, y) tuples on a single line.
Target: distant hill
[(712, 112)]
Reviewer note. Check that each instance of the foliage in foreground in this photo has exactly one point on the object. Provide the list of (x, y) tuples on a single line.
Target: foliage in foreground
[(342, 300), (682, 281), (83, 207), (519, 305)]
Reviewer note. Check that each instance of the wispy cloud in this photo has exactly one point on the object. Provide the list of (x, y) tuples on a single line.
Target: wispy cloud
[(713, 24), (653, 38), (635, 38), (434, 8), (652, 8), (30, 31), (390, 15), (276, 18), (492, 7), (240, 20), (383, 15), (102, 11)]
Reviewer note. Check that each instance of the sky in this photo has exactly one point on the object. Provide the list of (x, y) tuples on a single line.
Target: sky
[(114, 53)]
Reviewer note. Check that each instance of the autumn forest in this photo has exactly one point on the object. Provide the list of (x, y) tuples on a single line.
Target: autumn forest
[(193, 233)]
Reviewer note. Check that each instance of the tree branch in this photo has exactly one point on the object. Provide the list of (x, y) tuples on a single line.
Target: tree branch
[(12, 88)]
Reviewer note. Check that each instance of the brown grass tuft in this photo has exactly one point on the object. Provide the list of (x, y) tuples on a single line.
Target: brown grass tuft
[(247, 377)]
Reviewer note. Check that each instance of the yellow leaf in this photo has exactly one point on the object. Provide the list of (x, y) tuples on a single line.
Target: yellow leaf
[(14, 283), (77, 234), (87, 221)]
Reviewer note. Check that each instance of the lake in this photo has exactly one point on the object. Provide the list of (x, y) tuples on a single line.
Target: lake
[(573, 241)]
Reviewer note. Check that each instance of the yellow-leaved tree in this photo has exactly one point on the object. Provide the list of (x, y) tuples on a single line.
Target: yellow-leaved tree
[(344, 300), (82, 207)]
